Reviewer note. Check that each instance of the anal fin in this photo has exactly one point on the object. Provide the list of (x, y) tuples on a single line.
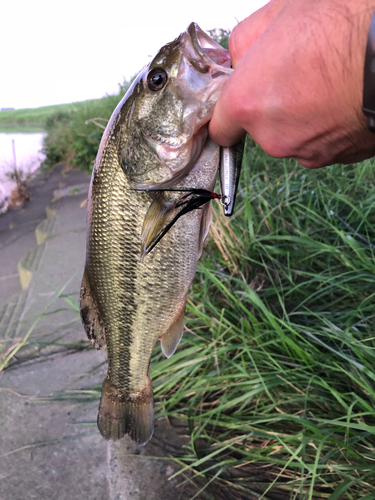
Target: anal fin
[(90, 316), (172, 337)]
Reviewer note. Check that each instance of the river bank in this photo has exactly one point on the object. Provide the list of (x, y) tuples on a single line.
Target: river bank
[(18, 224), (73, 131)]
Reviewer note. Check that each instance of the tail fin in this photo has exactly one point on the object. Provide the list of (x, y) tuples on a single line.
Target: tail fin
[(120, 415)]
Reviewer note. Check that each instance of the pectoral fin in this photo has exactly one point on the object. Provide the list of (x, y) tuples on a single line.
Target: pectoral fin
[(161, 216), (90, 316), (171, 338), (155, 220)]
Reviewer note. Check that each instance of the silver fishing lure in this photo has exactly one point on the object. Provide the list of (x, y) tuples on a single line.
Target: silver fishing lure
[(230, 169)]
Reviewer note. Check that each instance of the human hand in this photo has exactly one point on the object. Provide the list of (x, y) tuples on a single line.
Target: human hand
[(298, 81)]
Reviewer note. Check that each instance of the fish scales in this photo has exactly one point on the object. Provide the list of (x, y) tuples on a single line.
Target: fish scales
[(130, 302)]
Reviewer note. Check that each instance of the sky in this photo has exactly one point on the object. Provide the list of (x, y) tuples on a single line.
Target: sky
[(58, 52)]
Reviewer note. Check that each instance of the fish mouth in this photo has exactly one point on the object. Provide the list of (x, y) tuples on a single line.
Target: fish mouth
[(204, 67), (210, 66), (209, 52)]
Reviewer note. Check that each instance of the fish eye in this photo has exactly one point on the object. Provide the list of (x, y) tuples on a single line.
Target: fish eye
[(156, 79)]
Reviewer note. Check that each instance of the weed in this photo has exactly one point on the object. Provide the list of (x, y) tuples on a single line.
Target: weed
[(275, 373), (19, 176)]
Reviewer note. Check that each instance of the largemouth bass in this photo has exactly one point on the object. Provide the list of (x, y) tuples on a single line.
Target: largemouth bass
[(156, 139)]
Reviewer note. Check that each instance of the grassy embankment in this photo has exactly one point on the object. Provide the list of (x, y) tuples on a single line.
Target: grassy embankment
[(32, 117), (275, 373), (37, 117)]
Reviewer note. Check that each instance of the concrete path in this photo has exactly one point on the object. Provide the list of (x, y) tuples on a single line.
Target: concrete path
[(50, 448)]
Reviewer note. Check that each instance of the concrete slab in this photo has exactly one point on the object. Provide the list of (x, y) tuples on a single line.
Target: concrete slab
[(44, 453), (10, 256), (17, 226), (16, 222), (138, 473), (49, 447), (44, 272)]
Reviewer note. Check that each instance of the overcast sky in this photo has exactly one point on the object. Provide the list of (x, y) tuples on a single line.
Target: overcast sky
[(56, 52)]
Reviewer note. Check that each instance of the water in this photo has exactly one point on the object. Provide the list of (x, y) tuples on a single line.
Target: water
[(28, 157)]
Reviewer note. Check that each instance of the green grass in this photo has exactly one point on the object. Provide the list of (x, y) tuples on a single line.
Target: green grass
[(275, 374), (21, 129), (74, 137), (33, 116)]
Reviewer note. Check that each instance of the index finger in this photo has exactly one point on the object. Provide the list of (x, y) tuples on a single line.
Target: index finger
[(223, 127)]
